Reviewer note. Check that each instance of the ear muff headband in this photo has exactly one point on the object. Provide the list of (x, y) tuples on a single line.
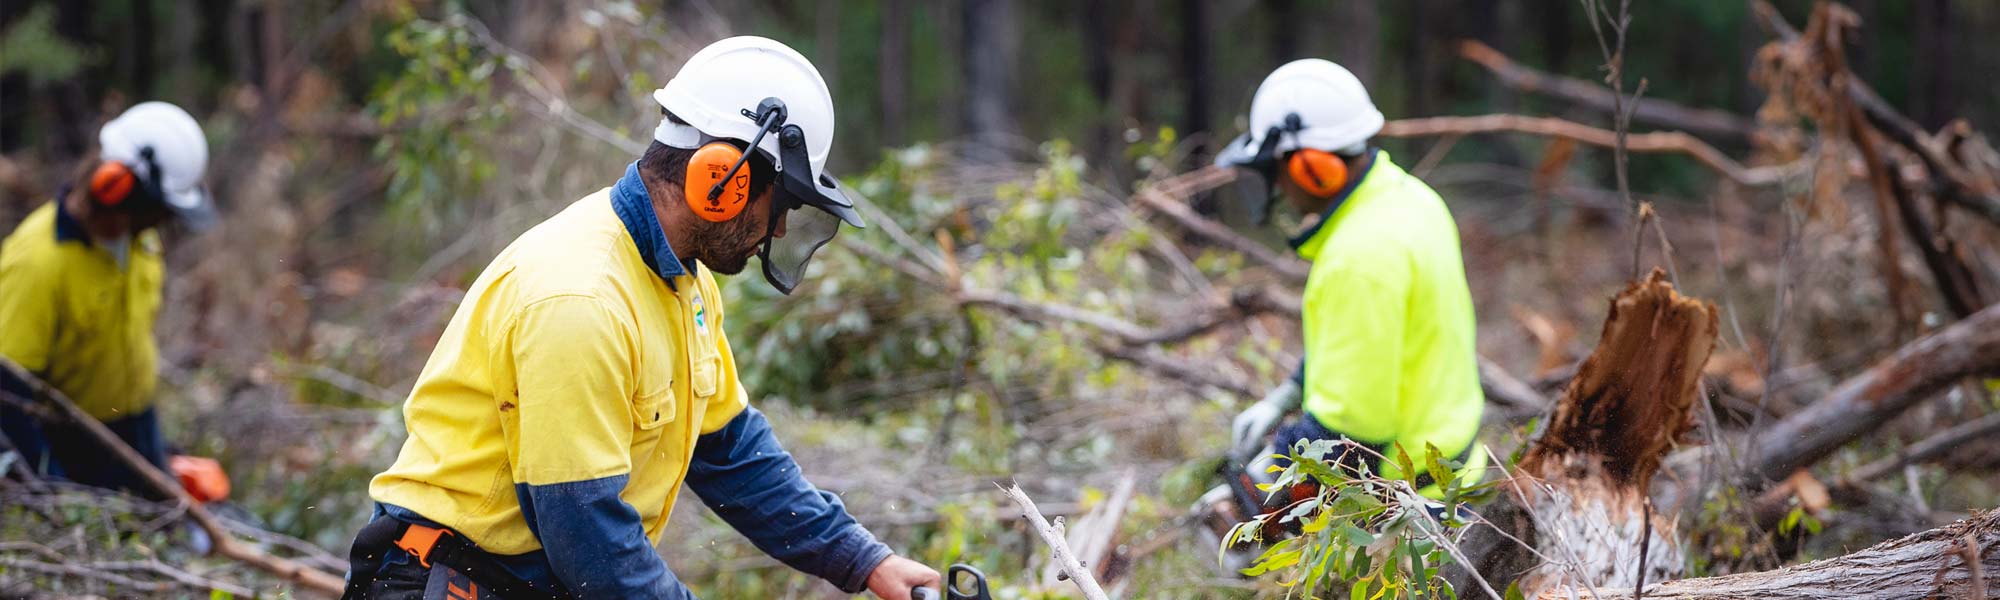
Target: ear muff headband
[(112, 183), (704, 188), (1318, 172)]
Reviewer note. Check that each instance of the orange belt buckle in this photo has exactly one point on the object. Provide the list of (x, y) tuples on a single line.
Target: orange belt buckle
[(418, 541)]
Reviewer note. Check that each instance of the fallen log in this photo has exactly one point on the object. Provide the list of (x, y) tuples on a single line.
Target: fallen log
[(1865, 402), (1577, 502), (1948, 562)]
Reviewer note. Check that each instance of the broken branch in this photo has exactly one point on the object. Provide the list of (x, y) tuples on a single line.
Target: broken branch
[(1063, 556), (226, 544)]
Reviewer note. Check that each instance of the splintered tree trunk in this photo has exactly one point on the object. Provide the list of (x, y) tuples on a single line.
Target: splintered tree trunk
[(1955, 561), (1578, 496)]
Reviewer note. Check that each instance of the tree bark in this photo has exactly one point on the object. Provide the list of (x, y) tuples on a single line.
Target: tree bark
[(1916, 372), (1360, 35), (893, 76), (1934, 93), (1194, 62), (992, 48), (1939, 563), (1284, 30)]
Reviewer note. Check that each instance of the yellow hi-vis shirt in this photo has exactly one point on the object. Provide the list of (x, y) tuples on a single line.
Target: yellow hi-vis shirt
[(1388, 322), (569, 360), (71, 314)]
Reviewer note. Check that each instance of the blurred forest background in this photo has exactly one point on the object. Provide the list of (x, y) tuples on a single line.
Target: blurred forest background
[(369, 157)]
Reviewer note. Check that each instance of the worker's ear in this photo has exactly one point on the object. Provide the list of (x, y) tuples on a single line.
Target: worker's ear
[(706, 193)]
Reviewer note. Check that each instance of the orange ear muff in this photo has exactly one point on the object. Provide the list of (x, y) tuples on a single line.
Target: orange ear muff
[(706, 168), (112, 182), (1318, 172)]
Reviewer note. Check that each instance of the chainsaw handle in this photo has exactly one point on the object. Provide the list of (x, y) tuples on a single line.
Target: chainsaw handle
[(952, 587), (952, 580)]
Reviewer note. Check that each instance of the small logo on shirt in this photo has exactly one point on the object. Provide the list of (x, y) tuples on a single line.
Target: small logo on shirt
[(700, 315)]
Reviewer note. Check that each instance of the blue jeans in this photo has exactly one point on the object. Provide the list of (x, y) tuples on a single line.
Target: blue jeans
[(65, 451)]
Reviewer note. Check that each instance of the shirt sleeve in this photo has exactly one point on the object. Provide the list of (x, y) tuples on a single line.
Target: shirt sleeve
[(746, 477), (1355, 308), (572, 362), (27, 313)]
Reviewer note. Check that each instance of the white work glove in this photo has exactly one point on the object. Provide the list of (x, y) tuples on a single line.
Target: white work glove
[(1250, 427)]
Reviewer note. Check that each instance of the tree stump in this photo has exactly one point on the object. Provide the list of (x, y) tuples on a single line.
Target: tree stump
[(1578, 496)]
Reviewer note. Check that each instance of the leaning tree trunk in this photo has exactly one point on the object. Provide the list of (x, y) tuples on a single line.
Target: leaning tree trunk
[(1954, 561), (1578, 496)]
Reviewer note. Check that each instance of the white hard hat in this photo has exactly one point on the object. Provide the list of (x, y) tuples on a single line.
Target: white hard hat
[(158, 135), (718, 85), (762, 93), (1332, 109)]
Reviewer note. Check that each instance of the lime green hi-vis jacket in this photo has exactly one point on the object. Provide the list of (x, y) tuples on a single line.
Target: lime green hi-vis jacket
[(1388, 322)]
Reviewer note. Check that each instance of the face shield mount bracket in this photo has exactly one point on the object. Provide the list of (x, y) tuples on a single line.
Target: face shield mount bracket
[(1265, 162)]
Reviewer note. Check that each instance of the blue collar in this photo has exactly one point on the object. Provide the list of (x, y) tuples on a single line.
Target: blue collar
[(68, 229), (1338, 199), (635, 207)]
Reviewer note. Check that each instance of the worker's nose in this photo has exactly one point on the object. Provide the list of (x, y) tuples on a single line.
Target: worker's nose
[(779, 232)]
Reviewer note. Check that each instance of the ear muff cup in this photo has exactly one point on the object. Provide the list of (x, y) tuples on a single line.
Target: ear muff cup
[(112, 183), (707, 167), (1318, 172)]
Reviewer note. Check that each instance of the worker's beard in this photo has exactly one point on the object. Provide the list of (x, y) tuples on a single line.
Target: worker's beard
[(730, 244)]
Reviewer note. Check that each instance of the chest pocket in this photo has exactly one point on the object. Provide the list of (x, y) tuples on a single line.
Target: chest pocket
[(654, 405), (704, 371)]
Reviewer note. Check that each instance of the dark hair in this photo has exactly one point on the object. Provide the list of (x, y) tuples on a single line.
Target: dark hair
[(669, 164)]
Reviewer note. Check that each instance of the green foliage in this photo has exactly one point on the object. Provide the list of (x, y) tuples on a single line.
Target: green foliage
[(32, 47), (1797, 517), (1373, 535), (442, 103)]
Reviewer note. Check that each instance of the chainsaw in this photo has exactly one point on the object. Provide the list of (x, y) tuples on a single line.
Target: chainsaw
[(952, 587)]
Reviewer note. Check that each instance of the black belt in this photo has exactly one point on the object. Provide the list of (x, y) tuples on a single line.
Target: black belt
[(430, 546)]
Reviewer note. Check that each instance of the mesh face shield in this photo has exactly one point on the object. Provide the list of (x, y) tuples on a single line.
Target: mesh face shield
[(1258, 168), (807, 210)]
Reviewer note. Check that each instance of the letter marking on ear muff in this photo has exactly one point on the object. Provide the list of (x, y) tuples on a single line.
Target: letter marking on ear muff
[(706, 169)]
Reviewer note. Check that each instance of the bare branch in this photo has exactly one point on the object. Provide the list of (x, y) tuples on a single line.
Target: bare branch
[(1169, 199), (1928, 448), (1658, 141), (1663, 113), (1081, 576), (225, 543)]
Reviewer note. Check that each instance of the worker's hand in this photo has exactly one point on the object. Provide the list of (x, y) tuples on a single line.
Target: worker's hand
[(893, 579), (1250, 427)]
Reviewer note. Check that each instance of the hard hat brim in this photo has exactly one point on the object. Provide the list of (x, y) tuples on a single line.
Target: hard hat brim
[(828, 196), (1240, 152)]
